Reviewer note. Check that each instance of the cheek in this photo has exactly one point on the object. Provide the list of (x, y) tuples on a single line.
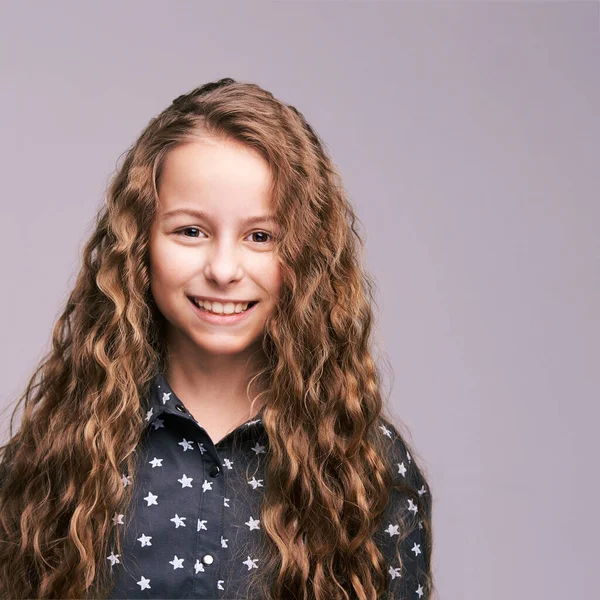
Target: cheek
[(274, 278), (168, 265)]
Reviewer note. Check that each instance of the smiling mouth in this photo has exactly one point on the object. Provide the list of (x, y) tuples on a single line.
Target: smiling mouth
[(201, 307)]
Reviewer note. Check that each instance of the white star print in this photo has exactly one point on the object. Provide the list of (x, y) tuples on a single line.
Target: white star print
[(252, 523), (118, 519), (412, 506), (151, 499), (250, 563), (229, 524), (177, 562), (185, 481), (179, 521), (255, 483), (385, 430), (185, 445), (114, 558), (394, 572), (259, 449)]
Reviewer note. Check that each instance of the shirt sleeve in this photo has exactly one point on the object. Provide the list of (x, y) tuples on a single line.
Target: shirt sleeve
[(406, 515)]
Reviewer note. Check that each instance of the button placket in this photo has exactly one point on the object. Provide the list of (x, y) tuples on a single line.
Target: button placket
[(209, 540)]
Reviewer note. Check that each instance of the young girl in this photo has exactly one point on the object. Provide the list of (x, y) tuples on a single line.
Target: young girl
[(209, 422)]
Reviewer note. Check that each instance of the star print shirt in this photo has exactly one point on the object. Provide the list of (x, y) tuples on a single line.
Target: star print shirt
[(194, 519)]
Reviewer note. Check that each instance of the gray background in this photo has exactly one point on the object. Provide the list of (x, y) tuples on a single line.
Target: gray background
[(467, 135)]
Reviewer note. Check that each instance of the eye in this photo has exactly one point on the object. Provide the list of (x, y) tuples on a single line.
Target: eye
[(180, 232), (263, 233)]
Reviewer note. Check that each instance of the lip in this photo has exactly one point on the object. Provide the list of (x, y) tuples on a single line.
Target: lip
[(231, 319), (221, 300)]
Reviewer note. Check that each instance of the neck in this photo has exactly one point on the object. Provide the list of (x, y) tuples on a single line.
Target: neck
[(212, 384)]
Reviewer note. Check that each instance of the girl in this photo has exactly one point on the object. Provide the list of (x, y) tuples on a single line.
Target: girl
[(209, 422)]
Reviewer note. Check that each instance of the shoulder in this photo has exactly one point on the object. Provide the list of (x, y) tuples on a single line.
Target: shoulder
[(404, 533), (402, 459)]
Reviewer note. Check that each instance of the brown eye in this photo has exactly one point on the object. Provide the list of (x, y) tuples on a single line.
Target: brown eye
[(262, 233), (180, 232)]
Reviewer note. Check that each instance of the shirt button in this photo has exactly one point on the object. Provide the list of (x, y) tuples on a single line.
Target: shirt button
[(180, 407), (208, 559), (214, 470)]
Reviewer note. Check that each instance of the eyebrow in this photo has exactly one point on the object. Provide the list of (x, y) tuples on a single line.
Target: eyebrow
[(192, 212)]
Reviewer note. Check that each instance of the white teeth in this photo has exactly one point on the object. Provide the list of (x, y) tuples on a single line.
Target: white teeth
[(222, 309)]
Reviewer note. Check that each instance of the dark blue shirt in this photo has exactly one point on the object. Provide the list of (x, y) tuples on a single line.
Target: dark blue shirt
[(195, 512)]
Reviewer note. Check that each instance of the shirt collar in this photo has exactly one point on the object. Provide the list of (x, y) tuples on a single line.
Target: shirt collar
[(162, 399)]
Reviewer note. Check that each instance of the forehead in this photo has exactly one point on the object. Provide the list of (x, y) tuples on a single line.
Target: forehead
[(214, 171)]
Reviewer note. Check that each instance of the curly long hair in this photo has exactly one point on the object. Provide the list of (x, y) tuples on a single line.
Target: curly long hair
[(328, 480)]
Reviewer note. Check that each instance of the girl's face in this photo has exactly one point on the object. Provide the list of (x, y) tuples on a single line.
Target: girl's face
[(213, 239)]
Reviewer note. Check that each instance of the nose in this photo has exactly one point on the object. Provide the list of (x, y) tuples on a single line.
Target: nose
[(223, 262)]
